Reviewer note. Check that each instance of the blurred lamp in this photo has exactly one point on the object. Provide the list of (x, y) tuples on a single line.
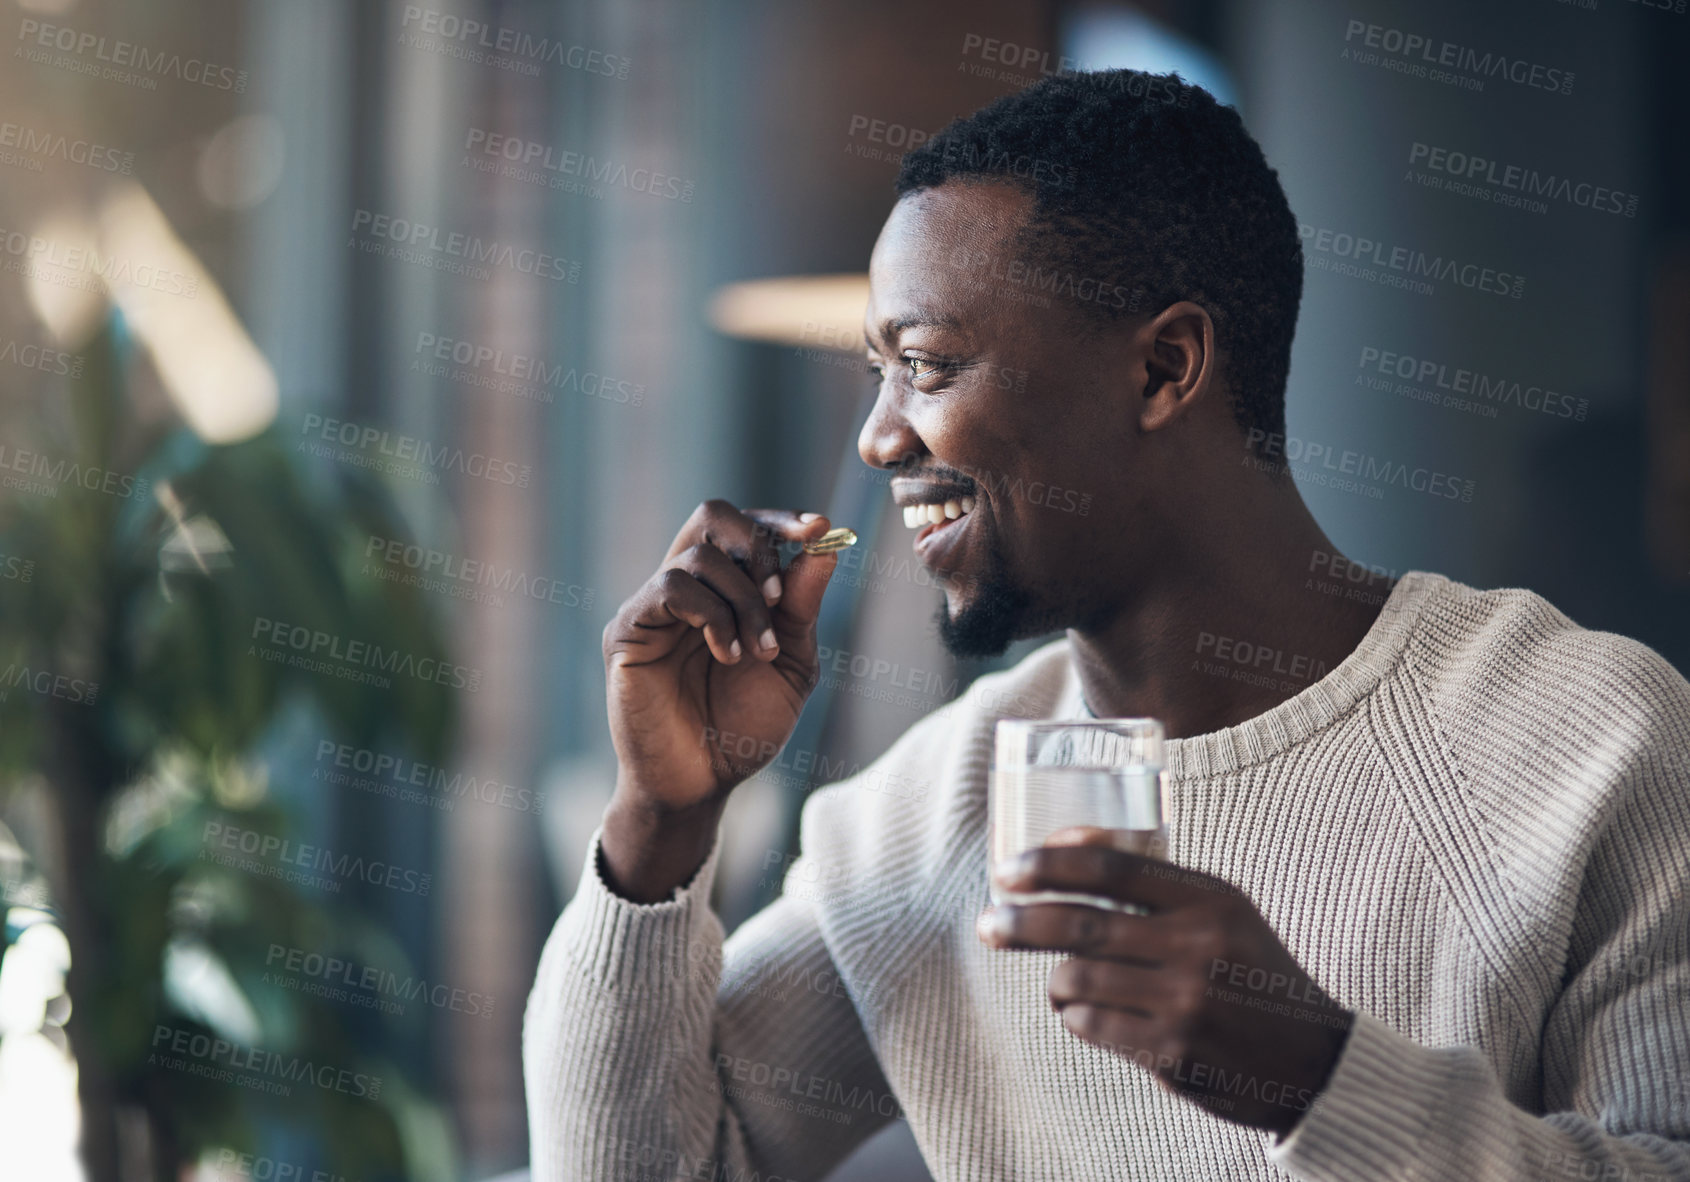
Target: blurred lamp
[(817, 311)]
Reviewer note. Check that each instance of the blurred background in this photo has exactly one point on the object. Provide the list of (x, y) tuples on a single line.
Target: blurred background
[(358, 359)]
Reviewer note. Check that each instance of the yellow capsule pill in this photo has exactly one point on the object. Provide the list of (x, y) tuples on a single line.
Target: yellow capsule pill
[(833, 539)]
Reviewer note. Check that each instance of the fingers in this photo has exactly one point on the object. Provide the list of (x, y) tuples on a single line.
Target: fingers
[(1125, 1032), (675, 595), (1076, 928), (750, 537), (1083, 980), (735, 556), (1098, 869), (752, 620)]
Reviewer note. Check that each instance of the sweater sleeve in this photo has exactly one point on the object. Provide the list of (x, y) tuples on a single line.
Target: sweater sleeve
[(1615, 1045), (654, 1050)]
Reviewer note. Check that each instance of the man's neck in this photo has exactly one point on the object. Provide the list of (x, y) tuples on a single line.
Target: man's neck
[(1254, 617)]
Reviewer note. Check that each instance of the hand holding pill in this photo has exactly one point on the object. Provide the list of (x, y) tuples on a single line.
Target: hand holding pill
[(707, 668)]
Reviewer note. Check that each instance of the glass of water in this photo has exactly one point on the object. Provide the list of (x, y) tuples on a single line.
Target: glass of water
[(1049, 776)]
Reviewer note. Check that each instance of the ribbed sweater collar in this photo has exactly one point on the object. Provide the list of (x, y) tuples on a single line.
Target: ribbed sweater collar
[(1216, 753)]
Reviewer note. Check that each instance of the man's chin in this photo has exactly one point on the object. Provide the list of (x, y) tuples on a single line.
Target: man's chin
[(986, 626)]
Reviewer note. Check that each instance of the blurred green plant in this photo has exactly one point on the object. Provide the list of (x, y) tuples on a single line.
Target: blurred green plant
[(135, 706)]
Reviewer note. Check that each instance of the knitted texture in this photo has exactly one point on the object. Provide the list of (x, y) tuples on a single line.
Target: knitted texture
[(1474, 832)]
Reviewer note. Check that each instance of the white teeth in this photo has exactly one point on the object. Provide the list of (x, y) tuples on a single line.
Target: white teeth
[(916, 516)]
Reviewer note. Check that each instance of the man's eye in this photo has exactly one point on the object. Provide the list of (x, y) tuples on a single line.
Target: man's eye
[(918, 367)]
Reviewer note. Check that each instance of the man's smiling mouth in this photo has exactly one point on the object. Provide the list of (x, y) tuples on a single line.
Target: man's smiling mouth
[(934, 510)]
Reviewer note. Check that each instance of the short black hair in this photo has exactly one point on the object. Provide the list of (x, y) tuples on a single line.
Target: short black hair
[(1143, 183)]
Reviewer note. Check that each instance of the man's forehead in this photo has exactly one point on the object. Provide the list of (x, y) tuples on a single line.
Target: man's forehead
[(952, 217), (935, 248)]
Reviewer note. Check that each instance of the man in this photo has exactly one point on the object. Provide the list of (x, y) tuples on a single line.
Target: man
[(1426, 912)]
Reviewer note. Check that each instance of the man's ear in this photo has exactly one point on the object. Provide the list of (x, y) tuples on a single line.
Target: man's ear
[(1179, 363)]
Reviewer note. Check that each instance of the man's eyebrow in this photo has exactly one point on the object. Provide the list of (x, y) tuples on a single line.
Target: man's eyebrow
[(891, 328)]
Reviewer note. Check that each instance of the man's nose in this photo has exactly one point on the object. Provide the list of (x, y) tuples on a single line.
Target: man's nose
[(887, 439)]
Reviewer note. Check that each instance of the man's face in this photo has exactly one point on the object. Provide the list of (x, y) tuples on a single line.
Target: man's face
[(1001, 390)]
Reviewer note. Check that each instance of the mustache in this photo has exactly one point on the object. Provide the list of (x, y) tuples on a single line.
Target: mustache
[(940, 474)]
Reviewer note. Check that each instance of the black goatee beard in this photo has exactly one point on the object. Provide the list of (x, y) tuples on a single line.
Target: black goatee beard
[(999, 614)]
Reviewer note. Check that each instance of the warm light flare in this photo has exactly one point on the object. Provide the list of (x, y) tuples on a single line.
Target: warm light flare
[(815, 311), (216, 376)]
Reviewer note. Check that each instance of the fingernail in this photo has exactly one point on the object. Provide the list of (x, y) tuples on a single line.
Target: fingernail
[(767, 640), (771, 589), (808, 517), (983, 923), (734, 648)]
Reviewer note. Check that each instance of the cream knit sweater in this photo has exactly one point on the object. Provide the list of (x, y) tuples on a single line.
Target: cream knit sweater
[(1474, 832)]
